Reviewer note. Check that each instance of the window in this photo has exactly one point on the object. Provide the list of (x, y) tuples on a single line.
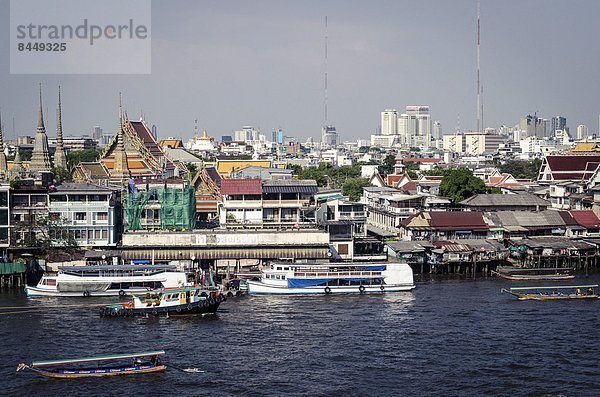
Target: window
[(102, 216), (3, 199), (343, 249), (80, 216)]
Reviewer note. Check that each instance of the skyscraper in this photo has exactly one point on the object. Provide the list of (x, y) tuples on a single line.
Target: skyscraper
[(329, 137), (558, 123), (437, 130), (389, 122), (414, 126)]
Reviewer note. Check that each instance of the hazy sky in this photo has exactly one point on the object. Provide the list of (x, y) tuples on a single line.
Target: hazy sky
[(261, 63)]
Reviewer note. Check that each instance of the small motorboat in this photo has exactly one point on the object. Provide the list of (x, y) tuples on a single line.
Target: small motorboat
[(547, 293), (172, 301), (122, 364)]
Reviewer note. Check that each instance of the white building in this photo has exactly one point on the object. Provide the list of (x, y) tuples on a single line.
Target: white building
[(383, 140), (389, 122), (454, 143), (90, 212), (582, 132), (414, 126), (437, 130), (329, 137), (477, 143)]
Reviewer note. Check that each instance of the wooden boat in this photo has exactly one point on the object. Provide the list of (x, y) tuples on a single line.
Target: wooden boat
[(141, 363), (542, 274), (547, 293), (172, 301)]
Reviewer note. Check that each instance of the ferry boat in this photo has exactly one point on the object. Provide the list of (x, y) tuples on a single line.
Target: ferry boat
[(107, 280), (140, 363), (547, 293), (333, 278), (174, 301)]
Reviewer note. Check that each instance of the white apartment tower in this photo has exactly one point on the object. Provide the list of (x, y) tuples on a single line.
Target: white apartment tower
[(582, 132), (389, 122), (414, 126), (437, 130)]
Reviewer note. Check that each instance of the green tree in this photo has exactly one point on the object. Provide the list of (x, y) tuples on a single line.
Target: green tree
[(353, 187), (61, 175), (193, 170), (412, 169), (460, 184), (521, 168), (82, 156), (388, 165)]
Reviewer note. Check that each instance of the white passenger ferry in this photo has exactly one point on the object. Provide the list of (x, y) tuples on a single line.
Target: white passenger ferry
[(107, 280), (333, 278)]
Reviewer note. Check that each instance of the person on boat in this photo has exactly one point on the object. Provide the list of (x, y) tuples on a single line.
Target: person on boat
[(577, 291)]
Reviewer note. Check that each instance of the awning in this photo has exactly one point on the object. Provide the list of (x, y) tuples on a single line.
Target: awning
[(317, 252)]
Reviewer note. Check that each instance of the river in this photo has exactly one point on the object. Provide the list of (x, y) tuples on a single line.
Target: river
[(446, 338)]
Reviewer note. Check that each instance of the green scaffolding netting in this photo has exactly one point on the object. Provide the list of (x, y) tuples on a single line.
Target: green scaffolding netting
[(173, 208)]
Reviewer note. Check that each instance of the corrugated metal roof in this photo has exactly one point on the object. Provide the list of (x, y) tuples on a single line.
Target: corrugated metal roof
[(290, 186), (587, 219), (491, 200), (241, 186)]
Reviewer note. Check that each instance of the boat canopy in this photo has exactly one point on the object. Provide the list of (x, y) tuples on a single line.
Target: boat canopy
[(554, 287), (99, 358)]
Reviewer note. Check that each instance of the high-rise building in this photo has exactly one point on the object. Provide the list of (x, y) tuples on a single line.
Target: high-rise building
[(437, 130), (558, 123), (414, 126), (97, 133), (532, 126), (389, 122), (329, 137), (582, 132)]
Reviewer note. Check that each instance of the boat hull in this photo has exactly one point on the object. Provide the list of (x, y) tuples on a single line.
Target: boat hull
[(534, 277), (260, 288), (99, 372), (208, 306), (37, 292)]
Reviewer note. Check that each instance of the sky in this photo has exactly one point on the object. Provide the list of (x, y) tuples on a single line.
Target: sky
[(261, 63)]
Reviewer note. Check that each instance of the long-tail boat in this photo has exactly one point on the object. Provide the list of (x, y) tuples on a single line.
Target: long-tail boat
[(547, 293), (542, 274), (140, 363)]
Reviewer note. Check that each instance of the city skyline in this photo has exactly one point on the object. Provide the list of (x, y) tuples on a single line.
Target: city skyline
[(262, 64)]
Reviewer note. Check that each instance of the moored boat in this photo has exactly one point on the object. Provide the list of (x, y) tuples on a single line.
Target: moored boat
[(107, 280), (541, 274), (544, 293), (333, 278), (140, 363), (173, 301)]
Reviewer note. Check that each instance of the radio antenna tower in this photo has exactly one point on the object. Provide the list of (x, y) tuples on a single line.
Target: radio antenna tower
[(325, 98), (479, 104)]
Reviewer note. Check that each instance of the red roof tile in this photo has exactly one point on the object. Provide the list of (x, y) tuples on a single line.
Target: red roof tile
[(241, 186), (571, 163), (421, 160)]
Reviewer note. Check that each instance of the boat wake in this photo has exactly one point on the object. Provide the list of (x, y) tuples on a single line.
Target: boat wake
[(197, 370)]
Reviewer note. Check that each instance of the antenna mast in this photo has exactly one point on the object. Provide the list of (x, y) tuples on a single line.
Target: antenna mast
[(325, 98), (479, 105)]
